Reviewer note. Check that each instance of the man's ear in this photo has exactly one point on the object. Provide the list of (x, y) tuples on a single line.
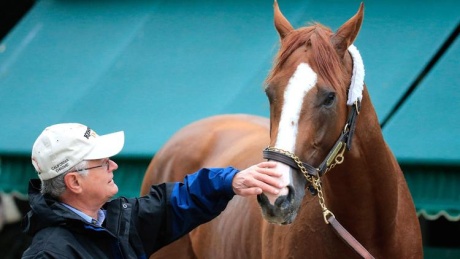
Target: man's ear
[(73, 182)]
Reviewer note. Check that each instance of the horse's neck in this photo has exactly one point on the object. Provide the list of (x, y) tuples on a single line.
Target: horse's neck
[(366, 184)]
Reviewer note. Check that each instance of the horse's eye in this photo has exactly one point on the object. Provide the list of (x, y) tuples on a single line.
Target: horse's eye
[(329, 99)]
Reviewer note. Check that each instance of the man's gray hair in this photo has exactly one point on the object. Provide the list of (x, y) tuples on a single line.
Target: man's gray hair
[(55, 187)]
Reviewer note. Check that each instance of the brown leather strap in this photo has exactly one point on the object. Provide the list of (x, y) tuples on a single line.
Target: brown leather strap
[(348, 238), (279, 157)]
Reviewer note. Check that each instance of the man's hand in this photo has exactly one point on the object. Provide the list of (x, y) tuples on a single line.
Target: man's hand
[(256, 179)]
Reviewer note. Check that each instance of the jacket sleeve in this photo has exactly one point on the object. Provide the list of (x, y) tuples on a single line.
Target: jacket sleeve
[(171, 210), (201, 197)]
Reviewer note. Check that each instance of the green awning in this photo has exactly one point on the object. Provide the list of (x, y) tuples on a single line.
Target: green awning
[(424, 135), (435, 190), (426, 129), (151, 67)]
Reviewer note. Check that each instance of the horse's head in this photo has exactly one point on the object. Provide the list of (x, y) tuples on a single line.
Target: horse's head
[(308, 90)]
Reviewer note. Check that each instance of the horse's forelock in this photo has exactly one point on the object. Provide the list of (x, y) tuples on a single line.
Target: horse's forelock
[(327, 62)]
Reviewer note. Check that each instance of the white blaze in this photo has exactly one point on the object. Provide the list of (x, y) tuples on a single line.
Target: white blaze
[(300, 83), (303, 79)]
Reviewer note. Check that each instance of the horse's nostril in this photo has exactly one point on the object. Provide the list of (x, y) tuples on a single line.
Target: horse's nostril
[(259, 198), (291, 193), (285, 201)]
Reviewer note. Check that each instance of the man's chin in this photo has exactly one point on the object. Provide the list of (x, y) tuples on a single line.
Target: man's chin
[(115, 190)]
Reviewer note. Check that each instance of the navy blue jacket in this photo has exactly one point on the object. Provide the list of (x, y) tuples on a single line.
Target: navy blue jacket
[(134, 227)]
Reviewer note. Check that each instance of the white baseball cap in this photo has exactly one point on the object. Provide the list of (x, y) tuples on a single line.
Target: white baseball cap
[(62, 146)]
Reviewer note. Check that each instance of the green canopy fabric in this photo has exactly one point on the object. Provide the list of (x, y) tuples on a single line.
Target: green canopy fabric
[(435, 191), (151, 67), (426, 129)]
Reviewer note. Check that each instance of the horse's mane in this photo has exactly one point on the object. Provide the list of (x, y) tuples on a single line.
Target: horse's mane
[(317, 38)]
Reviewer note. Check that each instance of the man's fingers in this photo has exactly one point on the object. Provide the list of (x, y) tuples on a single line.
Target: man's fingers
[(267, 164), (269, 171), (249, 191), (270, 179), (265, 184), (269, 188)]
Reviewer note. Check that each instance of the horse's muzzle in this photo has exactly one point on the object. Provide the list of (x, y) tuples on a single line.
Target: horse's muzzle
[(284, 209)]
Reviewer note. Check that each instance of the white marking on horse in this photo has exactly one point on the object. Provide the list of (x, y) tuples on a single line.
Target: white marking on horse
[(303, 79), (301, 82)]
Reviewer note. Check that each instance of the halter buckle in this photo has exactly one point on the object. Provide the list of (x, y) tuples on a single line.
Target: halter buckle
[(336, 156), (357, 107), (327, 213)]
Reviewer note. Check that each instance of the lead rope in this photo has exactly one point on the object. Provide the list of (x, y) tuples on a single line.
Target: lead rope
[(329, 217)]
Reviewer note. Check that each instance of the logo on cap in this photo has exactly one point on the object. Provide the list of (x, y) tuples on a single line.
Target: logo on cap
[(62, 165), (87, 133)]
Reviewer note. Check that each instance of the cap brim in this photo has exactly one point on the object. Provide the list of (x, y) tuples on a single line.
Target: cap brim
[(107, 146)]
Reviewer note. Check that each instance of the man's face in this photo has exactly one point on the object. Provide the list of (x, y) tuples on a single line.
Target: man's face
[(98, 185)]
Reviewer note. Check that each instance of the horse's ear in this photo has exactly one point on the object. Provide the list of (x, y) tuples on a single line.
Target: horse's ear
[(282, 25), (346, 34)]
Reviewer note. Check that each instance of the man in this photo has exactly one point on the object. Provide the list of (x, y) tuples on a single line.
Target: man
[(71, 215)]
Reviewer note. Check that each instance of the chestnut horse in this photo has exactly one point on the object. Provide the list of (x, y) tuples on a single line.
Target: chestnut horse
[(321, 120)]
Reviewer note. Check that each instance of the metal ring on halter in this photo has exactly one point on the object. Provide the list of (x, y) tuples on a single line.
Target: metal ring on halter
[(327, 213)]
